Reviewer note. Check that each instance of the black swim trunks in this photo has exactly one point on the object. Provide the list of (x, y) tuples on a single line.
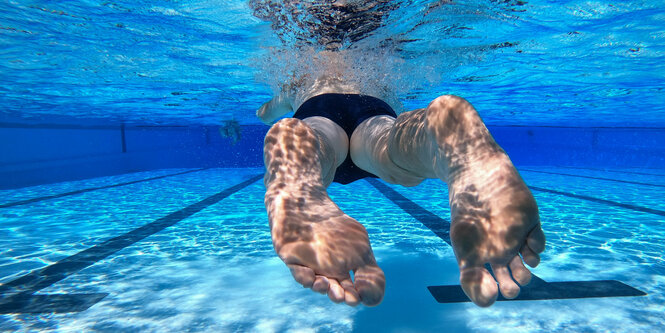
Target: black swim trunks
[(347, 111)]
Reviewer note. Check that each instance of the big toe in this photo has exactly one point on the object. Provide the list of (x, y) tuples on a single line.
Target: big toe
[(370, 282), (479, 285), (302, 274)]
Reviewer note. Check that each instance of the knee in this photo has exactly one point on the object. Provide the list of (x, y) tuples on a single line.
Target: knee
[(449, 104), (447, 111), (446, 100)]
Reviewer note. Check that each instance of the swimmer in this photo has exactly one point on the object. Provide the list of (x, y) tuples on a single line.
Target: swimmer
[(230, 129), (338, 134)]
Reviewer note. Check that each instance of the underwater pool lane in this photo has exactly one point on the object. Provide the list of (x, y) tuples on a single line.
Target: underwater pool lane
[(643, 195), (602, 201), (17, 295), (205, 259), (89, 189), (31, 192), (595, 177), (45, 232), (616, 172), (537, 289)]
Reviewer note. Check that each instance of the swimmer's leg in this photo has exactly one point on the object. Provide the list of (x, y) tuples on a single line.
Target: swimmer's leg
[(494, 216), (317, 241)]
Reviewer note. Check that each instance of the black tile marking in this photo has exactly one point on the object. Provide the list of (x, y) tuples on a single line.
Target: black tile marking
[(433, 222), (437, 225), (590, 177), (602, 201), (17, 296), (123, 140), (55, 196), (537, 289), (582, 127), (615, 171), (106, 126), (547, 291), (51, 303)]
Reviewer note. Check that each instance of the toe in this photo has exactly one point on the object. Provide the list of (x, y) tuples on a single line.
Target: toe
[(536, 240), (303, 275), (321, 284), (335, 291), (370, 282), (479, 285), (509, 289), (351, 296), (520, 273), (530, 257)]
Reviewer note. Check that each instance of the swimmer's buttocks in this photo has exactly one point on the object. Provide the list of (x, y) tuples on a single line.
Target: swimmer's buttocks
[(348, 111)]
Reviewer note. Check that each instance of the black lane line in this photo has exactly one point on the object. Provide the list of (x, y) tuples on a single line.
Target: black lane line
[(433, 222), (51, 303), (16, 295), (602, 201), (659, 129), (537, 289), (55, 196), (615, 171), (123, 140), (597, 178), (547, 291)]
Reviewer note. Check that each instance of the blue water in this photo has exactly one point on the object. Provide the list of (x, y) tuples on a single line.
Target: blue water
[(112, 194), (574, 62), (216, 271)]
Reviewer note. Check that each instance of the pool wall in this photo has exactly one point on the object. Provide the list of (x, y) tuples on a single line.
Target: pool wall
[(31, 155), (46, 154), (604, 147)]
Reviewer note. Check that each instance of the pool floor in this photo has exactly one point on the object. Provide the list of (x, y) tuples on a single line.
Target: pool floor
[(179, 250)]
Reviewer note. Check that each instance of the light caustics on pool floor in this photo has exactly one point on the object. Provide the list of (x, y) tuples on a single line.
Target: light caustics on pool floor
[(20, 292)]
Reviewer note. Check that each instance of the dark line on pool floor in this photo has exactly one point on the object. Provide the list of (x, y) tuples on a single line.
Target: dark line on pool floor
[(537, 289), (541, 290), (616, 171), (602, 201), (433, 222), (55, 196), (591, 177), (17, 296)]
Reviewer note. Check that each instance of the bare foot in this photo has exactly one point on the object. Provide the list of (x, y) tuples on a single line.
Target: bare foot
[(321, 245), (494, 220), (317, 241)]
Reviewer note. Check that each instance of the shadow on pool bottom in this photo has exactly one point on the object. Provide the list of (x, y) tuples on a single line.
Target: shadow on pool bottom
[(408, 306)]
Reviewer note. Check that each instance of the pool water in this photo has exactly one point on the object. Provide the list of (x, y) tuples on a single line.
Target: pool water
[(215, 270), (131, 193)]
